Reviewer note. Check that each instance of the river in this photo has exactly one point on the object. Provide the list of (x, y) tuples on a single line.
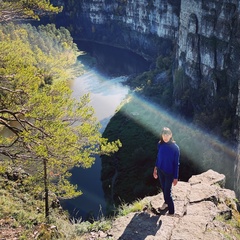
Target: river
[(103, 81)]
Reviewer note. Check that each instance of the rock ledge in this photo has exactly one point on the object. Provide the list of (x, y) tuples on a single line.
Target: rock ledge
[(202, 208)]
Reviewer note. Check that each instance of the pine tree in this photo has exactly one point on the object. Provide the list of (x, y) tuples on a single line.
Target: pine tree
[(43, 129)]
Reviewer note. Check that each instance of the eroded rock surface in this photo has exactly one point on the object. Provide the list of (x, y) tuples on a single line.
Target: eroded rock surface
[(200, 203)]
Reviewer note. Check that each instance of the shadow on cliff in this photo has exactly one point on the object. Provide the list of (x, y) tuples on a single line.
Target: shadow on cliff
[(141, 226)]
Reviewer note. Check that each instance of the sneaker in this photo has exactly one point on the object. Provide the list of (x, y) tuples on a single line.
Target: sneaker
[(172, 215), (164, 206)]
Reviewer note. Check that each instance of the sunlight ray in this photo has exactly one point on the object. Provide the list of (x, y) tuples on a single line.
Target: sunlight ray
[(191, 138), (105, 93)]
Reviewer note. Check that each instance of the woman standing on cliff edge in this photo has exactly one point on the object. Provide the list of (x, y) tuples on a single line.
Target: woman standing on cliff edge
[(166, 167)]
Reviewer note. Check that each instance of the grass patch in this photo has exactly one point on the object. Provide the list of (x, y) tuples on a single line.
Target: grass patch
[(232, 225), (136, 206), (21, 208)]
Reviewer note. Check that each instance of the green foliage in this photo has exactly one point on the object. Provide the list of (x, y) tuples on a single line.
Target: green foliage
[(20, 206), (163, 63), (86, 227), (155, 85), (124, 209), (135, 161), (233, 225), (39, 120)]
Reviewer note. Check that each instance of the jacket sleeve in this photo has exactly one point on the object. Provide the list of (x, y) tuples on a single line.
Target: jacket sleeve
[(176, 162)]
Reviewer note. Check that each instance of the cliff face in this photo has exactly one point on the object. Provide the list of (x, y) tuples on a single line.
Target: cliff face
[(208, 44), (146, 27), (209, 55)]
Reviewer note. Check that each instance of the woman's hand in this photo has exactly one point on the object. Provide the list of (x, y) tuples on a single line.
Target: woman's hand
[(155, 173), (175, 181)]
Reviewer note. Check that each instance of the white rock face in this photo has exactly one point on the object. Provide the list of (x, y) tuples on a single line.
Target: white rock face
[(159, 18), (212, 23), (95, 9)]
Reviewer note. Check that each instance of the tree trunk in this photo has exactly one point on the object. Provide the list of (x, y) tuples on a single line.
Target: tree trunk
[(46, 189)]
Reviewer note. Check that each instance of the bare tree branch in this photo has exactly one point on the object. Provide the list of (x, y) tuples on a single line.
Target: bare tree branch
[(19, 10), (12, 91)]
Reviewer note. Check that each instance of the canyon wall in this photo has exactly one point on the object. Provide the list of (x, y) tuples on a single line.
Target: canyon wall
[(208, 52), (145, 27), (208, 45), (204, 36)]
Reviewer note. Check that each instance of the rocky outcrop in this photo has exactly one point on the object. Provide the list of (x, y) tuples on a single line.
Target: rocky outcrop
[(203, 209)]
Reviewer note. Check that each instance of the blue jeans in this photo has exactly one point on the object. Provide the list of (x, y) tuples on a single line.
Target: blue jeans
[(166, 181)]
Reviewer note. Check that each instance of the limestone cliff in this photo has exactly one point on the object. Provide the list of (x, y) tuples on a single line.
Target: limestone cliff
[(209, 55), (123, 22), (208, 46), (147, 27), (205, 35)]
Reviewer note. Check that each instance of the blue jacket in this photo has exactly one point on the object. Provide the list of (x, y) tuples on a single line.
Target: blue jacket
[(168, 158)]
